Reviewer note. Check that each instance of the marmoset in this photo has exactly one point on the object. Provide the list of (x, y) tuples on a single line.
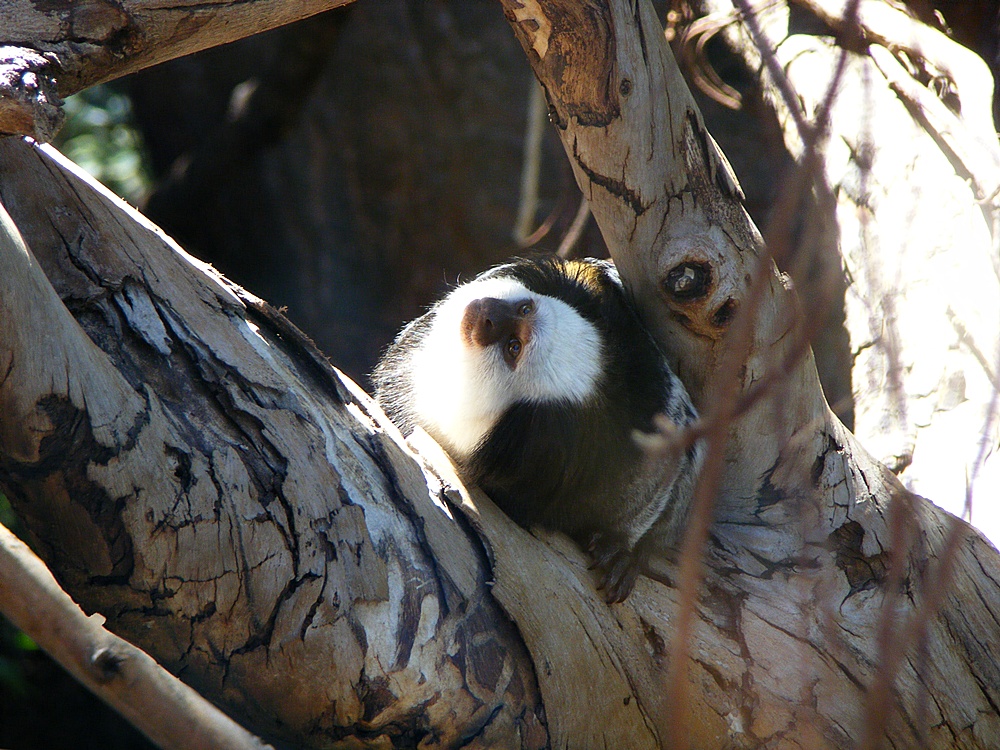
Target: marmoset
[(535, 377)]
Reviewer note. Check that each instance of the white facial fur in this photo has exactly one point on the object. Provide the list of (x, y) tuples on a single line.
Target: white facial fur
[(461, 389)]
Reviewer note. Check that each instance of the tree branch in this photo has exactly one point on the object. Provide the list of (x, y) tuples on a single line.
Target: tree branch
[(796, 493), (84, 44), (194, 470), (166, 710)]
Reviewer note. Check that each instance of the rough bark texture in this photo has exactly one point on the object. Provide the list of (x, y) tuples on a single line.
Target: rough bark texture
[(194, 470), (205, 480), (168, 711), (29, 103)]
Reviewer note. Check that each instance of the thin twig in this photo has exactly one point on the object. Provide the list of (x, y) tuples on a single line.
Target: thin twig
[(720, 416), (696, 37), (967, 340), (159, 705), (895, 28), (575, 230), (531, 165), (901, 536), (738, 342)]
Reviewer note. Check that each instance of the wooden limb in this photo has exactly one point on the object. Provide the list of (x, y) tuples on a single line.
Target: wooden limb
[(894, 28), (527, 207), (199, 474), (30, 369), (83, 44), (972, 158), (167, 711)]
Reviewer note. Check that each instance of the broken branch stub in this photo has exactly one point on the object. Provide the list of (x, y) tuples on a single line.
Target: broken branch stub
[(29, 102)]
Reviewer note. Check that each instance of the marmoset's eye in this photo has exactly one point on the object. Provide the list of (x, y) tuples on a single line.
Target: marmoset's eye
[(514, 348), (526, 308)]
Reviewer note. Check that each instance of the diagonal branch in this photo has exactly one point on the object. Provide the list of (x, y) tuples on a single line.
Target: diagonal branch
[(166, 710), (201, 476)]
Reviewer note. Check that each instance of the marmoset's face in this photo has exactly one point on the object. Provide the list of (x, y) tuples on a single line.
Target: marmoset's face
[(493, 343)]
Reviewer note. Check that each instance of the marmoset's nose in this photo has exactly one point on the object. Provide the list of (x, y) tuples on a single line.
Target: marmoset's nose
[(488, 320)]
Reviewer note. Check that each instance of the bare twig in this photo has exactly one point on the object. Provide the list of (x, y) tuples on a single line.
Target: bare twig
[(749, 17), (809, 133), (724, 402), (880, 692), (729, 398), (530, 166), (971, 159), (86, 46), (986, 444), (163, 708), (894, 28), (572, 236), (696, 36), (969, 341)]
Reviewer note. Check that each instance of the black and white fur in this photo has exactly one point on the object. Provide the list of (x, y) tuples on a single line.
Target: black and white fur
[(535, 377)]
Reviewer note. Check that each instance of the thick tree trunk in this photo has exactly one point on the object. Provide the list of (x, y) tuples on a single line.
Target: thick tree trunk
[(192, 468)]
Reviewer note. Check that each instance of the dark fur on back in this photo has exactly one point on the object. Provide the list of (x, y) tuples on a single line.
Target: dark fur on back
[(558, 464), (393, 377)]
